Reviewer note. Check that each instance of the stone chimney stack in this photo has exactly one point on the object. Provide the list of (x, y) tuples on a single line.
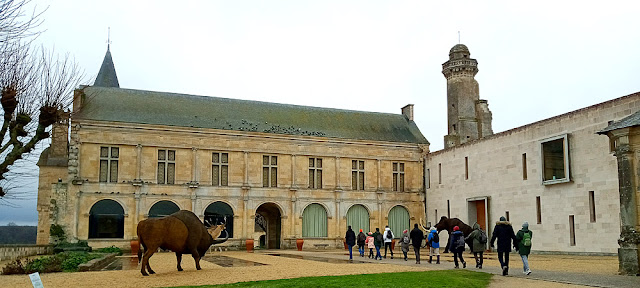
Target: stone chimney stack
[(407, 111)]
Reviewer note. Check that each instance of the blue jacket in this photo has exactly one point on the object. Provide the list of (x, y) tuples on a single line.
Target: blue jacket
[(454, 237), (434, 244)]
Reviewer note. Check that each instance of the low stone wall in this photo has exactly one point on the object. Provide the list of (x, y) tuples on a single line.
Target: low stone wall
[(14, 251), (97, 264)]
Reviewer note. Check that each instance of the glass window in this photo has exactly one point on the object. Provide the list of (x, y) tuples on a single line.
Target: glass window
[(220, 169), (357, 175), (398, 177), (555, 160), (106, 220), (109, 164), (269, 171), (315, 173), (166, 166)]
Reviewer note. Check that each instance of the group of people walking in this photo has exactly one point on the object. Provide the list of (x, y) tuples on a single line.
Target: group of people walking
[(477, 239)]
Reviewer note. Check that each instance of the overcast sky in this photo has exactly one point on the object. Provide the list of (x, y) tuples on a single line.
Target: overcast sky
[(536, 59)]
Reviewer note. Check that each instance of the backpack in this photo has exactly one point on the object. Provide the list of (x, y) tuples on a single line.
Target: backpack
[(379, 237), (405, 239), (389, 235), (435, 238), (459, 243), (482, 237), (362, 238), (526, 239)]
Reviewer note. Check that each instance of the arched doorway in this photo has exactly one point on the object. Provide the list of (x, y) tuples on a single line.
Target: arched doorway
[(219, 212), (358, 218), (163, 208), (268, 220), (314, 221), (106, 220), (399, 220)]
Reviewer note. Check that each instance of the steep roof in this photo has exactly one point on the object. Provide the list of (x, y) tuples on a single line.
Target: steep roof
[(161, 108), (629, 121), (107, 75)]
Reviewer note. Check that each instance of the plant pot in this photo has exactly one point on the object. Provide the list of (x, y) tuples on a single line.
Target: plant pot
[(299, 243), (393, 244), (346, 247), (249, 245), (135, 246)]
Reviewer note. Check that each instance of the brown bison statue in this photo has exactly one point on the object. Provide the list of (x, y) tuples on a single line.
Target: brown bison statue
[(448, 224), (181, 232)]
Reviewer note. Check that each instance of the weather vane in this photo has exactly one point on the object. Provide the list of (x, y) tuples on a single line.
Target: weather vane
[(108, 35), (458, 37)]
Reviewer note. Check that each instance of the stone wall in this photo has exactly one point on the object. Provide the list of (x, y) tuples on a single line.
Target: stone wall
[(507, 169), (11, 252)]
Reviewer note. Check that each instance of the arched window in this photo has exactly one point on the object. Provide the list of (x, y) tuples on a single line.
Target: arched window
[(216, 213), (398, 220), (314, 221), (358, 218), (163, 208), (106, 220)]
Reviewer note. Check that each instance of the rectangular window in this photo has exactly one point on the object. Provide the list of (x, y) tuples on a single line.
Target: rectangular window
[(448, 209), (524, 166), (315, 173), (357, 175), (166, 166), (572, 231), (427, 181), (398, 177), (439, 173), (109, 164), (592, 206), (555, 160), (506, 214), (269, 171), (436, 215), (538, 210), (219, 169), (466, 168)]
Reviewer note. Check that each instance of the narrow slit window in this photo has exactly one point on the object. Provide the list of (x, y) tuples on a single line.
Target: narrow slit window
[(538, 210), (436, 210), (439, 173), (572, 231), (524, 166), (506, 214), (448, 209), (592, 206), (466, 168), (427, 181)]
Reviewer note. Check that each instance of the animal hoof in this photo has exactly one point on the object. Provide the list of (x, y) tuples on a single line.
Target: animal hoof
[(152, 272), (179, 269), (145, 274)]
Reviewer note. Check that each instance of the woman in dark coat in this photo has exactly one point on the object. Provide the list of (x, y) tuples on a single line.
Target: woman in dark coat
[(350, 238), (457, 246), (504, 233)]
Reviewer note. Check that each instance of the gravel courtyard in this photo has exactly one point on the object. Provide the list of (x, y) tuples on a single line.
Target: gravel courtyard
[(284, 267)]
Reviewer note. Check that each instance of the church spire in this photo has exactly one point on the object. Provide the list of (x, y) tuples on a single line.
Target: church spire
[(107, 76)]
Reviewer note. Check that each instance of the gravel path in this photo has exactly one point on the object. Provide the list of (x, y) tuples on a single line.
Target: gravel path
[(547, 269)]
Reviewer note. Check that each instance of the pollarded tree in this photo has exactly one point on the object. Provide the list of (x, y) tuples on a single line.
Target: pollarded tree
[(35, 86)]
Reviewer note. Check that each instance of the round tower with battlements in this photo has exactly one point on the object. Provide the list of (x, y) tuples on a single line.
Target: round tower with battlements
[(468, 116)]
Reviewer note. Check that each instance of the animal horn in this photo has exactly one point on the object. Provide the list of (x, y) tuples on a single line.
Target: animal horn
[(222, 240)]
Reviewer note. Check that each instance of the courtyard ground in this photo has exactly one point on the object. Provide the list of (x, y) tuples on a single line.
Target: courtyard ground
[(548, 270)]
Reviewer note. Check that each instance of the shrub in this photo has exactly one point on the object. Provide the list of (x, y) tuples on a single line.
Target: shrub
[(57, 233), (67, 262), (14, 267), (47, 264), (111, 249)]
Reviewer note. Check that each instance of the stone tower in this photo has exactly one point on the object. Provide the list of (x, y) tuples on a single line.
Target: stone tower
[(468, 116)]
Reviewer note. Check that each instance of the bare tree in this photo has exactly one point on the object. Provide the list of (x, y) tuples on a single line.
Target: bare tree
[(36, 88)]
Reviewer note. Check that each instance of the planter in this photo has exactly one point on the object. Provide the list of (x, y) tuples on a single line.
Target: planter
[(249, 245), (393, 244), (299, 243), (135, 246), (346, 247)]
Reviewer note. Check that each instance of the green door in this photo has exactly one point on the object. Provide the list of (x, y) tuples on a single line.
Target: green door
[(314, 221), (358, 218), (398, 220)]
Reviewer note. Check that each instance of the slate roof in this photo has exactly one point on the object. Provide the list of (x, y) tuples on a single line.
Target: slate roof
[(629, 121), (107, 75), (161, 108)]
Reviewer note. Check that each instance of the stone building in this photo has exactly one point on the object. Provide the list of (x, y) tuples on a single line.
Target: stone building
[(557, 173), (273, 172)]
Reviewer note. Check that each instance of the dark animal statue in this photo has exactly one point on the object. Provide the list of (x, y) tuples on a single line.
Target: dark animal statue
[(448, 224), (181, 232)]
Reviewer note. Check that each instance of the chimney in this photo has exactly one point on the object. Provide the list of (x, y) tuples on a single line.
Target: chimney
[(407, 111)]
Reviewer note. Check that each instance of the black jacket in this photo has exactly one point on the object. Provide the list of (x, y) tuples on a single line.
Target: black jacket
[(350, 237), (361, 239), (504, 232), (416, 236)]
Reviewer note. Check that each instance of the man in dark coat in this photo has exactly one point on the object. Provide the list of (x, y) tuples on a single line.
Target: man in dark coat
[(416, 236), (360, 241), (504, 232), (350, 238)]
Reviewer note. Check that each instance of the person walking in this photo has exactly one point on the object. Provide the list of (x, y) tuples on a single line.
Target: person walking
[(457, 246), (479, 243), (350, 238), (377, 242), (434, 245), (404, 243), (416, 236), (388, 237), (504, 233), (523, 238), (370, 244), (360, 240)]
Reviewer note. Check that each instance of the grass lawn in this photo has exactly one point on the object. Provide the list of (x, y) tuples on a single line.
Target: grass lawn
[(443, 278)]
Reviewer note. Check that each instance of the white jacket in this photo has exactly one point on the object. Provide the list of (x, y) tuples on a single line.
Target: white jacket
[(384, 235)]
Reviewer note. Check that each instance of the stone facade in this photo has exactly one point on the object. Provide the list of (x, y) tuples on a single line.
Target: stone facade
[(506, 171)]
